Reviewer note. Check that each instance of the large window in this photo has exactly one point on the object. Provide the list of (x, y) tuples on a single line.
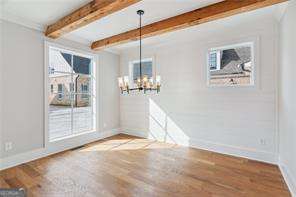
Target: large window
[(71, 93), (231, 65)]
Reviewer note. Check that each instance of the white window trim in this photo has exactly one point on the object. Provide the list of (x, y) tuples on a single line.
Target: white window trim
[(75, 138), (253, 43), (131, 64)]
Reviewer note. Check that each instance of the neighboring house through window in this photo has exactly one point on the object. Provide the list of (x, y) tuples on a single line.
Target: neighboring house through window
[(231, 65)]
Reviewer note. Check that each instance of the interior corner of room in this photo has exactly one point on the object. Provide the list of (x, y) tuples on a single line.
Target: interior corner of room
[(211, 82)]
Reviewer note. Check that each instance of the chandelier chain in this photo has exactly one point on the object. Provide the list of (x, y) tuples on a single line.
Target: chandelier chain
[(140, 45)]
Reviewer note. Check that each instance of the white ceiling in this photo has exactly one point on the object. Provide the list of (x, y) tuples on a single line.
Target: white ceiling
[(39, 13), (128, 19)]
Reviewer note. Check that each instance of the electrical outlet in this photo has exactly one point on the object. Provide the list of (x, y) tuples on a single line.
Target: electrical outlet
[(8, 146), (263, 142), (105, 125)]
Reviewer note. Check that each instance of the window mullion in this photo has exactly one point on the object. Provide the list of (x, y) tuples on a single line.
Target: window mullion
[(72, 97), (91, 92)]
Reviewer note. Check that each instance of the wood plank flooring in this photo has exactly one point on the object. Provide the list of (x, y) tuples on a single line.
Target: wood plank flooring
[(124, 165)]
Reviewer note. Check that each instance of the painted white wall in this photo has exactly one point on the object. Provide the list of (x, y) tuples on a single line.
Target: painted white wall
[(109, 94), (287, 95), (1, 63), (229, 120), (23, 88), (22, 93)]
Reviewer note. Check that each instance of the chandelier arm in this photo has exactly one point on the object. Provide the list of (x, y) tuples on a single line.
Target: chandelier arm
[(132, 89)]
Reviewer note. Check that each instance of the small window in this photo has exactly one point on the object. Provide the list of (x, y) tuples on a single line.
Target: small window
[(231, 65), (147, 69), (51, 88), (60, 91), (51, 70), (84, 88), (71, 87), (60, 88)]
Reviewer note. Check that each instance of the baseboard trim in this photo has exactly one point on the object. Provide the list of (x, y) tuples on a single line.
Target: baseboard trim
[(289, 179), (252, 154), (18, 159)]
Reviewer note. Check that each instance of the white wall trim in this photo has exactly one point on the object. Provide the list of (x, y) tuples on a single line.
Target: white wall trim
[(18, 159), (288, 176), (252, 154)]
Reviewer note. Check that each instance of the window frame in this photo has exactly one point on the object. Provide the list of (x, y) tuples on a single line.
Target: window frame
[(131, 69), (93, 100), (252, 43)]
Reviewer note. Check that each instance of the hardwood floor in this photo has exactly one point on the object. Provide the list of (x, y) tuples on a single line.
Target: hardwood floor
[(129, 166)]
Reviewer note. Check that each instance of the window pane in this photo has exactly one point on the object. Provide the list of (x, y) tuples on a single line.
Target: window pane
[(235, 67), (83, 117), (146, 69), (81, 65), (59, 119), (59, 105), (213, 61), (59, 62)]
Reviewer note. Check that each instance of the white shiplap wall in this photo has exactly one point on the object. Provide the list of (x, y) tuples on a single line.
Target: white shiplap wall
[(228, 120), (287, 97)]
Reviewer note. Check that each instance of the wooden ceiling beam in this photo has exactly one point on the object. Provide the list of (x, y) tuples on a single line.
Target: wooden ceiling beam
[(90, 12), (202, 15)]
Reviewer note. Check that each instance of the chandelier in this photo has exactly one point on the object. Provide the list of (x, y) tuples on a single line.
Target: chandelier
[(143, 82)]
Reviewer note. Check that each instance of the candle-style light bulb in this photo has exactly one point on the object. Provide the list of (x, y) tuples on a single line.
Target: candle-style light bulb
[(151, 82), (126, 83), (138, 82), (126, 80), (145, 81), (158, 80), (120, 82)]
